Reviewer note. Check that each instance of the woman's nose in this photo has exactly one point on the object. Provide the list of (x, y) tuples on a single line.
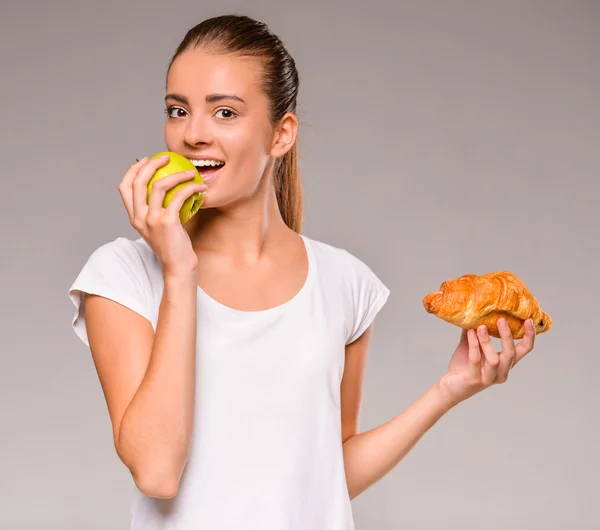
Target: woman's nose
[(198, 132)]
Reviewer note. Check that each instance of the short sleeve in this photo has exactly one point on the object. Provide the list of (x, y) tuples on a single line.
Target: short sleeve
[(115, 271), (369, 295)]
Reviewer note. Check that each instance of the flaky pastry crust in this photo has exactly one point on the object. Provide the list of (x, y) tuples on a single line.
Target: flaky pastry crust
[(472, 300)]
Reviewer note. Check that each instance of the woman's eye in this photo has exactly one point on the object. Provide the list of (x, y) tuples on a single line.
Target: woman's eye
[(169, 111), (228, 114)]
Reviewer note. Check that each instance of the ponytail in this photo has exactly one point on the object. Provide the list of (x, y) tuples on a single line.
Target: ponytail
[(288, 188)]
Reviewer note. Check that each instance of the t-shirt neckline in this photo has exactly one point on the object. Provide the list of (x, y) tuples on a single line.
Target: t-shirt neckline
[(275, 309)]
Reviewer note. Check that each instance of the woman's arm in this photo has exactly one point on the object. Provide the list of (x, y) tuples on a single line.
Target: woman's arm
[(370, 455), (149, 381), (474, 366)]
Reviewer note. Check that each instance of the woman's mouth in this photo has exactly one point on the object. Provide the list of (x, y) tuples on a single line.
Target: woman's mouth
[(208, 169)]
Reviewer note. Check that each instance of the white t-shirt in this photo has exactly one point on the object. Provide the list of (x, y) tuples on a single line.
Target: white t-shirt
[(266, 448)]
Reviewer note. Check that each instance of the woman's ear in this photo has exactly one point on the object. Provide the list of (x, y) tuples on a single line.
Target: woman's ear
[(285, 135)]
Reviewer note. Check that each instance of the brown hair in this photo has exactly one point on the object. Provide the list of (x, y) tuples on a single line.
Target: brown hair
[(243, 35)]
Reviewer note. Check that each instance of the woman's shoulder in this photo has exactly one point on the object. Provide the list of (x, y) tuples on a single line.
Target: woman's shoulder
[(338, 258), (359, 290), (120, 269), (134, 252), (123, 259)]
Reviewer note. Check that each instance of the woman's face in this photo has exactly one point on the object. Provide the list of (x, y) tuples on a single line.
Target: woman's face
[(217, 112)]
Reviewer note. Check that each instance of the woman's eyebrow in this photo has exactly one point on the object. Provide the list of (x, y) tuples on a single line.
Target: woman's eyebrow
[(211, 98)]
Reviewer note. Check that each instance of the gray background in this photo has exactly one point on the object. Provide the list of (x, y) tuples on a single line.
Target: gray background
[(437, 138)]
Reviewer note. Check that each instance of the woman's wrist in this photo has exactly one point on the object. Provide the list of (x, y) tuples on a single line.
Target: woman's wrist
[(181, 279), (445, 399)]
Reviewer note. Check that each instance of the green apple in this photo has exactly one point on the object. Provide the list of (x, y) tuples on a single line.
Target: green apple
[(176, 164)]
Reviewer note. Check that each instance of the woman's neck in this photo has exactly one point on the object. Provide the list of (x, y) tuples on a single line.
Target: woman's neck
[(245, 230)]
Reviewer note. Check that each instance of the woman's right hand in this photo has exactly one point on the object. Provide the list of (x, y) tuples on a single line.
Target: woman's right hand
[(160, 227)]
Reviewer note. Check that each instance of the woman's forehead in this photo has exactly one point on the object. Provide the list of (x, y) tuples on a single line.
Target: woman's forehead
[(200, 72)]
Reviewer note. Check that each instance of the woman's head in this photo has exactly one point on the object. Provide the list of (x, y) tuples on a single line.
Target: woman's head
[(231, 96)]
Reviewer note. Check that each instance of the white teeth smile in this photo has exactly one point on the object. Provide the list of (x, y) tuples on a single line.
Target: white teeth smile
[(207, 163)]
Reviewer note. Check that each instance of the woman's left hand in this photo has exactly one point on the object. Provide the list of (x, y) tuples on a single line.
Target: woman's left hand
[(476, 365)]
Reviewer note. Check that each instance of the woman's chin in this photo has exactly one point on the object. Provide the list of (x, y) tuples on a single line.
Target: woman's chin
[(206, 203), (210, 201)]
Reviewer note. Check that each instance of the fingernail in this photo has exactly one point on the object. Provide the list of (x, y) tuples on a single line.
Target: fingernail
[(191, 172)]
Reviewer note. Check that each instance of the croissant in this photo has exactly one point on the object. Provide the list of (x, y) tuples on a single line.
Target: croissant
[(472, 300)]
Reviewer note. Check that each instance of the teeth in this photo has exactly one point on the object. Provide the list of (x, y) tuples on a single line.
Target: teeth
[(206, 163)]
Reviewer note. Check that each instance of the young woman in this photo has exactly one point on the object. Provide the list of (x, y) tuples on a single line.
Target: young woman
[(231, 349)]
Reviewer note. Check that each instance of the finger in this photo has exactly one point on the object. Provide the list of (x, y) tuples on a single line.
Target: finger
[(140, 185), (490, 366), (125, 188), (528, 342), (474, 355), (180, 196), (463, 337), (161, 186), (507, 355), (132, 172)]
